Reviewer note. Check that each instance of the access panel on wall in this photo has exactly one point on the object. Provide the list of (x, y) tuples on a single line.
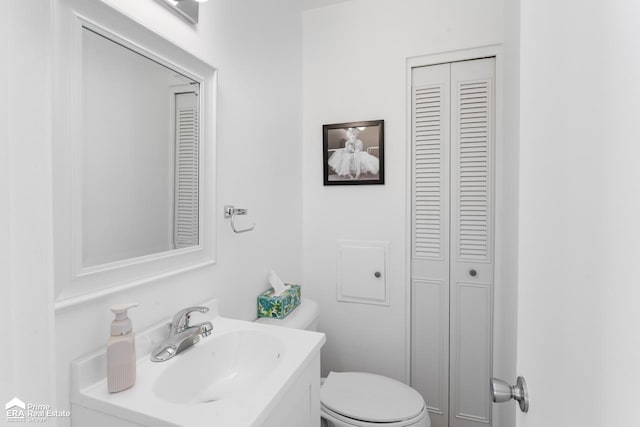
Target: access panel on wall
[(452, 240)]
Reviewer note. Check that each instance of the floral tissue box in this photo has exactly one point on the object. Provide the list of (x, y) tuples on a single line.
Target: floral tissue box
[(278, 306)]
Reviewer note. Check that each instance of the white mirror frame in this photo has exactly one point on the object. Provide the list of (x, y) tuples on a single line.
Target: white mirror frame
[(75, 284)]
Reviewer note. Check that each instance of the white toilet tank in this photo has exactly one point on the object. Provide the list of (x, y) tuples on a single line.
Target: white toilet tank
[(305, 316)]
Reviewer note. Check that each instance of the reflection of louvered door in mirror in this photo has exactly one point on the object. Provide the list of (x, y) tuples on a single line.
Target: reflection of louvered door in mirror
[(186, 170), (452, 226)]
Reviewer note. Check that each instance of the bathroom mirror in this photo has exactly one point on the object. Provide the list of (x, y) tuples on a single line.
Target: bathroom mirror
[(140, 154), (134, 154)]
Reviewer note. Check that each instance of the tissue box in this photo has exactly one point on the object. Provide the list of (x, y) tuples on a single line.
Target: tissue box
[(278, 306)]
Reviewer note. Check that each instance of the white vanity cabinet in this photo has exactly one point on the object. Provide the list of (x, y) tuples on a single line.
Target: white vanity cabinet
[(300, 403), (81, 416)]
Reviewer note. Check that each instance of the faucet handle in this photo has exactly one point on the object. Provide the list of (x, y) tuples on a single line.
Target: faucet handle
[(181, 319)]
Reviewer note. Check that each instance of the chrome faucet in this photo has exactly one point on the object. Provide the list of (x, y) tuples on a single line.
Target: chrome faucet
[(182, 335)]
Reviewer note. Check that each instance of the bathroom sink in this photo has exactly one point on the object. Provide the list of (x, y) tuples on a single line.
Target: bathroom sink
[(222, 367), (244, 374)]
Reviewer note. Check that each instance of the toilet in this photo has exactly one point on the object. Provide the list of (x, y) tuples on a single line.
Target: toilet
[(358, 399)]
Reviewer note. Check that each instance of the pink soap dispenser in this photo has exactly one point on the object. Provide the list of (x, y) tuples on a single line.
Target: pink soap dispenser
[(121, 351)]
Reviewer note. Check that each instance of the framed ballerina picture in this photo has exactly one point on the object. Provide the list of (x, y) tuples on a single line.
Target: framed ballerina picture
[(353, 153)]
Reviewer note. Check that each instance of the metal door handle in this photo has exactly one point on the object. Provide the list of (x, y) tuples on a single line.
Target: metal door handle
[(503, 392)]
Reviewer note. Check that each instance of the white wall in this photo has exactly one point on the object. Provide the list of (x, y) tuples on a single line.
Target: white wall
[(579, 210), (6, 310), (355, 69), (257, 50), (26, 265)]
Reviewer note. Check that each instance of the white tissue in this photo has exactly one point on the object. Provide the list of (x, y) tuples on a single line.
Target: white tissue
[(277, 284)]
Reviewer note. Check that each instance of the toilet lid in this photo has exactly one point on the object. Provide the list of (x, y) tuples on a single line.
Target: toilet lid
[(370, 397)]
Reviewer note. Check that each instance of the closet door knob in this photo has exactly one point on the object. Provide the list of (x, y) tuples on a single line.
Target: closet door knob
[(473, 273), (377, 274)]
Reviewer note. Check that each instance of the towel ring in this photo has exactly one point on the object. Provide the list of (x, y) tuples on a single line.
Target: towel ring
[(231, 211)]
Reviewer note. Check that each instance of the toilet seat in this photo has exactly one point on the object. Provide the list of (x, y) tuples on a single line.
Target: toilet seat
[(362, 399), (339, 420)]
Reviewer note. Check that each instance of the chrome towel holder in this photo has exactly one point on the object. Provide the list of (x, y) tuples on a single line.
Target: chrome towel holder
[(231, 211)]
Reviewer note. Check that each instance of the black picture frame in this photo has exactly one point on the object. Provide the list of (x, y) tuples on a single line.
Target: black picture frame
[(353, 160)]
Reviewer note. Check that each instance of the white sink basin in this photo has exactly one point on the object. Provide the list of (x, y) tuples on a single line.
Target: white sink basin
[(236, 377), (221, 367)]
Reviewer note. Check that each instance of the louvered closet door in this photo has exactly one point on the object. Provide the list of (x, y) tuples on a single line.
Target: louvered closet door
[(452, 241), (430, 243), (472, 136), (187, 170)]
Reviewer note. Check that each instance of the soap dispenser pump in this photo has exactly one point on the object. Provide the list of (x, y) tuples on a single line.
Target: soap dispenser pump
[(121, 351)]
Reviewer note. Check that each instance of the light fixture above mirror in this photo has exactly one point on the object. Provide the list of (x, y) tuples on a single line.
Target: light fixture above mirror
[(188, 9)]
